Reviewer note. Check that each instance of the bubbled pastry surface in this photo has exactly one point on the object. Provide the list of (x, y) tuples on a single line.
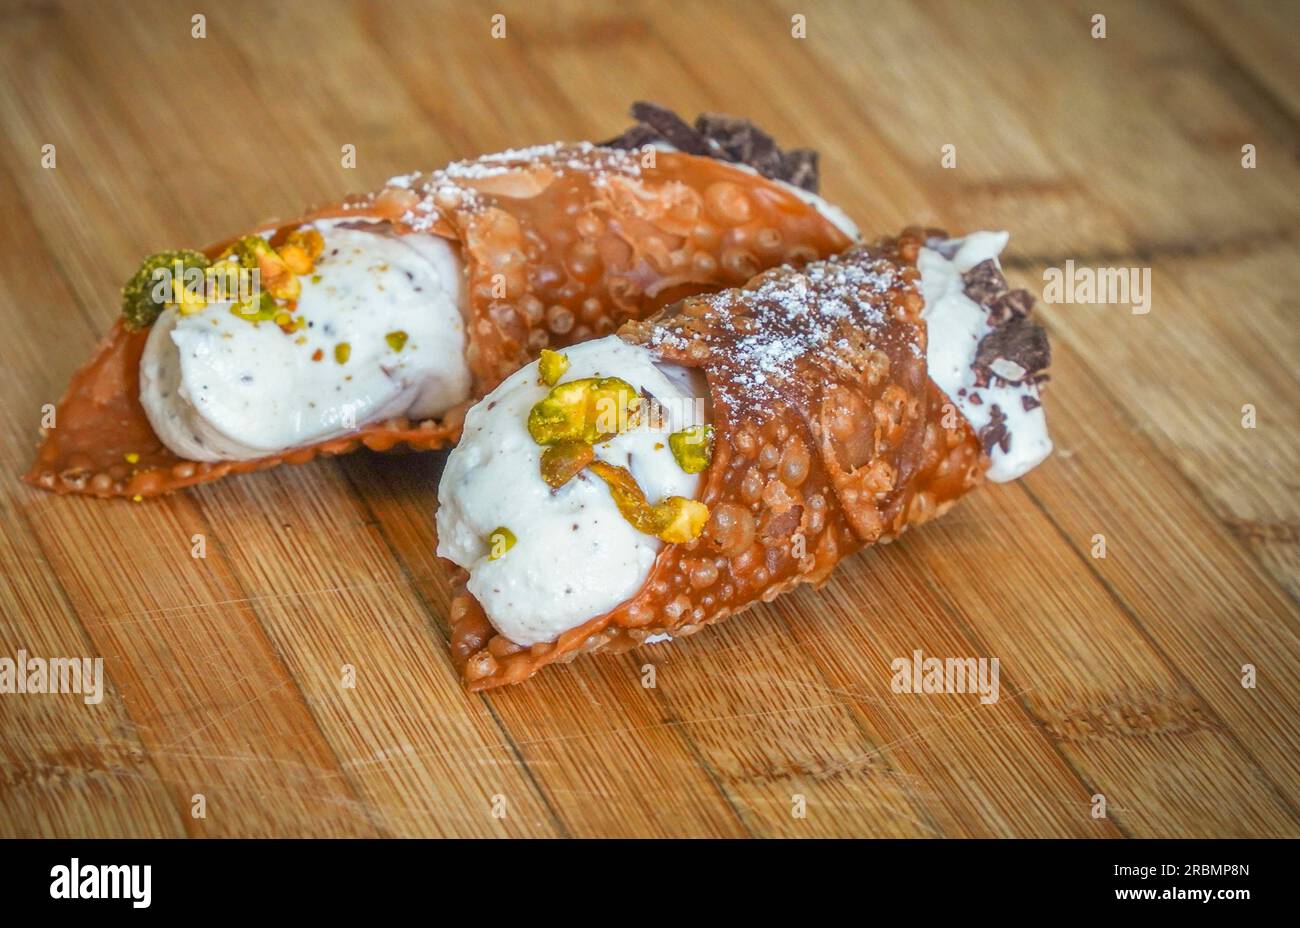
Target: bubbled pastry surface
[(830, 437), (561, 242)]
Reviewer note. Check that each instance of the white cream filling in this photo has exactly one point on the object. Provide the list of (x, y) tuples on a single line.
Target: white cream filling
[(216, 387), (575, 555), (955, 326)]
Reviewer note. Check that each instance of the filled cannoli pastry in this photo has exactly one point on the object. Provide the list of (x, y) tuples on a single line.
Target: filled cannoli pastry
[(637, 487), (377, 320)]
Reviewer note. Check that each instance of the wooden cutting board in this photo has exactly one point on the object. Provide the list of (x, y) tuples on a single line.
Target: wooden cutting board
[(1121, 677)]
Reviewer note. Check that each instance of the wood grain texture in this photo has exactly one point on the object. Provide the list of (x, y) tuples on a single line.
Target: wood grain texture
[(1120, 676)]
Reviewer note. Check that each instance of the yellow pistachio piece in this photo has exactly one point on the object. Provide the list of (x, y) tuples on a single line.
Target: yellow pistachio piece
[(310, 240), (675, 519), (551, 366), (146, 294), (248, 250), (500, 541), (222, 280), (263, 308), (342, 351), (693, 448), (684, 519), (295, 258), (562, 461), (277, 278), (190, 303), (396, 340), (584, 410), (300, 249)]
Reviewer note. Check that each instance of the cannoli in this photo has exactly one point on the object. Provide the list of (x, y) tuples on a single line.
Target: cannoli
[(377, 321), (637, 487)]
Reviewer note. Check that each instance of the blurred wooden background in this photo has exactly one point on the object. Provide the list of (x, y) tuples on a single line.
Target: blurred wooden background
[(1120, 676)]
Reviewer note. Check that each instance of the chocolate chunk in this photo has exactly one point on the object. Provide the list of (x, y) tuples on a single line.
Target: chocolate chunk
[(727, 138), (1010, 305), (672, 128), (799, 168), (635, 137), (1020, 342), (1030, 403), (984, 282), (995, 434), (741, 140)]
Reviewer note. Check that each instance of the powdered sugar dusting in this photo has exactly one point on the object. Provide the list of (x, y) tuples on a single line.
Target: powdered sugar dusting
[(820, 313), (451, 188)]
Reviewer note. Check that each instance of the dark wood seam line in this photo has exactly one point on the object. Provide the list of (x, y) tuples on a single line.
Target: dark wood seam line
[(1151, 252), (968, 631), (1263, 575), (1165, 659), (859, 722)]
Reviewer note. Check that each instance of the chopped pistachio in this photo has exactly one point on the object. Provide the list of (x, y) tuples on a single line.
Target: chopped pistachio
[(562, 461), (551, 366), (675, 519), (300, 250), (584, 410), (501, 540), (261, 308), (693, 448), (142, 302), (253, 251), (342, 351), (396, 340), (131, 457), (685, 519), (247, 250), (222, 280)]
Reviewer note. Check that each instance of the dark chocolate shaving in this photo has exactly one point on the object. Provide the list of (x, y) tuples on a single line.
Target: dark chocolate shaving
[(801, 167), (995, 434), (984, 282), (635, 137), (727, 138), (673, 129), (1011, 305), (742, 141), (1030, 403), (1014, 351)]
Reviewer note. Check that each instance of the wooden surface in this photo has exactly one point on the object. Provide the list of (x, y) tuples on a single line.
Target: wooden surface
[(1120, 676)]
